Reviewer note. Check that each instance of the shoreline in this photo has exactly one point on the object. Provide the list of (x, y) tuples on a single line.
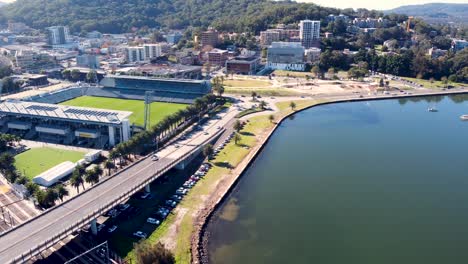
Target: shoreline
[(199, 239)]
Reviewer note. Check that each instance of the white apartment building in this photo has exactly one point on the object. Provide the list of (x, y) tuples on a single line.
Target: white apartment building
[(309, 33)]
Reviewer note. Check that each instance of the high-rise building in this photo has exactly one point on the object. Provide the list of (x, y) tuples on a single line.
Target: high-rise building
[(152, 51), (135, 54), (57, 35), (209, 38), (286, 56), (310, 33)]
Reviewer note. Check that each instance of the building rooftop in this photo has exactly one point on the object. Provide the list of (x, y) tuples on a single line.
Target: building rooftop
[(64, 112)]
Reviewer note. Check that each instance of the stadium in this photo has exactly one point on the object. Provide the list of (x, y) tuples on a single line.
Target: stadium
[(101, 116)]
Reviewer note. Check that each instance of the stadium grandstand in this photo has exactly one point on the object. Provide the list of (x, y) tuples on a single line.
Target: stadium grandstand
[(164, 90), (87, 127)]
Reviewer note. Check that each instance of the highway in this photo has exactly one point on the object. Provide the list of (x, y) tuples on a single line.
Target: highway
[(62, 220)]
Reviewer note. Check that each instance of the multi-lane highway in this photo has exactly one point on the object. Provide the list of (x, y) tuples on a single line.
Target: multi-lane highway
[(22, 242)]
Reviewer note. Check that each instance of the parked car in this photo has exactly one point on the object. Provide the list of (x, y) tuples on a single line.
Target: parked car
[(124, 207), (152, 221), (140, 234), (112, 229), (100, 227), (146, 195), (171, 203), (176, 197)]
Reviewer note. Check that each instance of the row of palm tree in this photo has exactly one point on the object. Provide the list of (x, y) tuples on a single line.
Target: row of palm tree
[(159, 132), (80, 175)]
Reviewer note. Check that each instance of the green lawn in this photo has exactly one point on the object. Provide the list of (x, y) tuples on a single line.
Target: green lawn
[(285, 73), (159, 110), (37, 160), (435, 84)]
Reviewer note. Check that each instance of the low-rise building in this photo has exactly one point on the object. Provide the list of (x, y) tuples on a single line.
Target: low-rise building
[(217, 57), (312, 55), (459, 44), (269, 36), (243, 65), (286, 56), (173, 37), (436, 53), (24, 58)]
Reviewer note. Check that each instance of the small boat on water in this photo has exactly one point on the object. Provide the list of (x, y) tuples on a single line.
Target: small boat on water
[(432, 109), (464, 117)]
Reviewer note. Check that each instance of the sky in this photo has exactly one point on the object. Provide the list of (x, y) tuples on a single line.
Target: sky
[(377, 4)]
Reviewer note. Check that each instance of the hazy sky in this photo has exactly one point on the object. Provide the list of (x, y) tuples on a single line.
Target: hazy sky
[(377, 4)]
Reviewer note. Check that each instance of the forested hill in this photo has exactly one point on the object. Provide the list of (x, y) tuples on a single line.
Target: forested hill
[(436, 12), (116, 16)]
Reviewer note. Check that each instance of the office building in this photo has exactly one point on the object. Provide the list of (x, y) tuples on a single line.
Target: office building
[(87, 61), (286, 56), (217, 57), (310, 33), (57, 35), (269, 36), (173, 38), (243, 65), (209, 38)]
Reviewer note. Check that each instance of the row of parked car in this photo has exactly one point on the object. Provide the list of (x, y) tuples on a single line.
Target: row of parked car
[(163, 211), (218, 149)]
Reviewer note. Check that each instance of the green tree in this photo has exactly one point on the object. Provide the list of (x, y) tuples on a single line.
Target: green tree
[(254, 95), (147, 252), (237, 138), (75, 74), (262, 105), (109, 165), (208, 150), (66, 74), (292, 105), (91, 76), (237, 125), (61, 191), (271, 118)]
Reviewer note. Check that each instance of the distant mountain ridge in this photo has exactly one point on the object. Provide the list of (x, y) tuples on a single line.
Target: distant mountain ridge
[(436, 12)]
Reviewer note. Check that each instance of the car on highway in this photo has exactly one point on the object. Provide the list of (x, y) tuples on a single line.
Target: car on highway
[(206, 133), (140, 234), (152, 221), (154, 157), (218, 127), (177, 146), (112, 229)]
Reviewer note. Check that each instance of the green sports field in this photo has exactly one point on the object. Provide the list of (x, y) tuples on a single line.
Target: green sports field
[(159, 110), (37, 160)]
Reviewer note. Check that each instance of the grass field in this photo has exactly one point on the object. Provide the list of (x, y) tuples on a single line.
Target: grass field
[(159, 110), (435, 84), (37, 160), (247, 83)]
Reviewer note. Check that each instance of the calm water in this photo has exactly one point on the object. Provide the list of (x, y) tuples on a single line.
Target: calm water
[(367, 182)]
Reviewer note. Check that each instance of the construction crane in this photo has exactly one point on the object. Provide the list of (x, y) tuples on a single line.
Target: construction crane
[(408, 24)]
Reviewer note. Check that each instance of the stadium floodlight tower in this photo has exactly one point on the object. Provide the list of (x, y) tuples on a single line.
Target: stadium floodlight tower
[(148, 95)]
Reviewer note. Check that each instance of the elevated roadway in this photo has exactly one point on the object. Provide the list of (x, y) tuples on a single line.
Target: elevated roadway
[(30, 238)]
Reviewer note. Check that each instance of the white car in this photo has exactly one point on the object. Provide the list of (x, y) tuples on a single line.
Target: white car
[(152, 221), (145, 195), (112, 229), (154, 158), (140, 234)]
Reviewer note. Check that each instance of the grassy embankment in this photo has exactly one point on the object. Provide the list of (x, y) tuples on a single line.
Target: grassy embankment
[(229, 158)]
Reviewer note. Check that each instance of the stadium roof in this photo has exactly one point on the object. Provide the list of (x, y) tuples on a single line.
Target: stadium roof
[(63, 112), (128, 77)]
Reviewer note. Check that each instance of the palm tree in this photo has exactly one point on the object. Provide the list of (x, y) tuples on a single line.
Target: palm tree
[(271, 118), (254, 95), (51, 196), (262, 105), (237, 138), (61, 191), (292, 105), (208, 150), (98, 171), (237, 125), (91, 177), (75, 181), (109, 165)]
